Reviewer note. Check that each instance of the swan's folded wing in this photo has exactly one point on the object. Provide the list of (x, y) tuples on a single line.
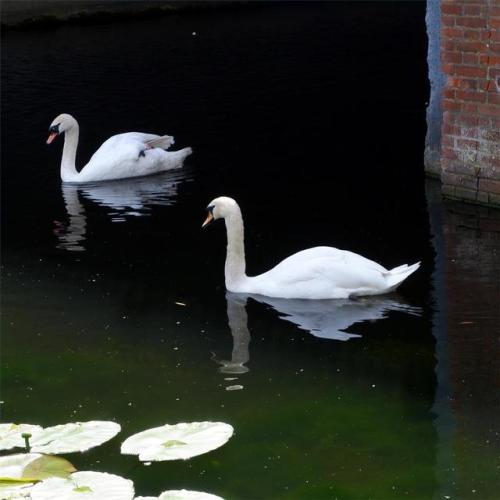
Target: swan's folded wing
[(163, 142)]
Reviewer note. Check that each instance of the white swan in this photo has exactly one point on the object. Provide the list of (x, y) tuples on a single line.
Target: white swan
[(315, 273), (132, 154)]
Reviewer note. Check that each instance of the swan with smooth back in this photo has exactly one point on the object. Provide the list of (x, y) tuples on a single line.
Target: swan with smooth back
[(132, 154), (316, 273)]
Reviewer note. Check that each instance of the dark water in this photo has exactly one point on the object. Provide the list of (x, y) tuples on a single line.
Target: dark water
[(113, 300)]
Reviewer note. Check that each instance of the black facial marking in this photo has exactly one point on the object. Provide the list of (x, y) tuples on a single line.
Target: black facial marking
[(54, 129), (142, 153), (211, 209)]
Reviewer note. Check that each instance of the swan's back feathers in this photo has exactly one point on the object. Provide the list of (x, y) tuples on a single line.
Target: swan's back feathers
[(332, 254), (132, 154), (163, 142), (327, 272)]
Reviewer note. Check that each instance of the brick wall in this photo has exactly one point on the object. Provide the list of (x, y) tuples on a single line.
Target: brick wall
[(470, 56)]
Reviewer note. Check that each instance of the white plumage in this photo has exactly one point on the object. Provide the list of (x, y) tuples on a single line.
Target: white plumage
[(131, 154), (315, 273)]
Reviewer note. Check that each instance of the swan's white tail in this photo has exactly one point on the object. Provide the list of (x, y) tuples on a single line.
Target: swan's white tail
[(186, 152), (396, 276)]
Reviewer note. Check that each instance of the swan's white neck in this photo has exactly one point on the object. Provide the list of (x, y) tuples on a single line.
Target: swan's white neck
[(68, 168), (235, 256)]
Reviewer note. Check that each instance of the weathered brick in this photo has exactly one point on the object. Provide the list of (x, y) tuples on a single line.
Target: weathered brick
[(450, 129), (451, 105), (476, 71), (488, 110), (490, 158), (490, 135), (468, 58), (466, 181), (448, 141), (462, 193), (467, 120), (470, 46), (490, 186), (469, 132), (471, 22), (469, 95), (486, 85), (473, 35), (494, 199), (494, 47), (489, 172), (449, 153), (472, 10), (451, 33), (448, 21), (452, 57), (484, 59), (494, 60), (451, 8), (448, 44), (468, 107), (494, 99), (468, 156), (449, 94), (467, 144), (458, 167)]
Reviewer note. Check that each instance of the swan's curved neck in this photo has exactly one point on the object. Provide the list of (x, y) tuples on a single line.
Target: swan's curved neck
[(68, 168), (235, 256)]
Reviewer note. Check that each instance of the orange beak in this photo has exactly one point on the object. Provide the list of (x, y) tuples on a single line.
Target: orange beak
[(52, 136), (208, 220)]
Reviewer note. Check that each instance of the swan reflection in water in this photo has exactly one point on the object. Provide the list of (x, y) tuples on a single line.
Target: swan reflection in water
[(125, 198), (326, 319), (238, 324)]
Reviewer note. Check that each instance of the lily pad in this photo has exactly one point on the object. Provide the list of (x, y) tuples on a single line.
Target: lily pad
[(179, 441), (85, 485), (32, 467), (67, 438), (11, 434), (12, 484), (187, 495), (14, 491), (19, 473), (12, 466), (47, 466), (72, 437), (182, 495)]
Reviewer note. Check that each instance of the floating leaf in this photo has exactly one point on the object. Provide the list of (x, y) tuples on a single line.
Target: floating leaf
[(78, 436), (187, 495), (180, 441), (182, 495), (12, 466), (19, 472), (48, 466), (84, 485), (11, 434), (12, 484), (13, 491), (67, 438)]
